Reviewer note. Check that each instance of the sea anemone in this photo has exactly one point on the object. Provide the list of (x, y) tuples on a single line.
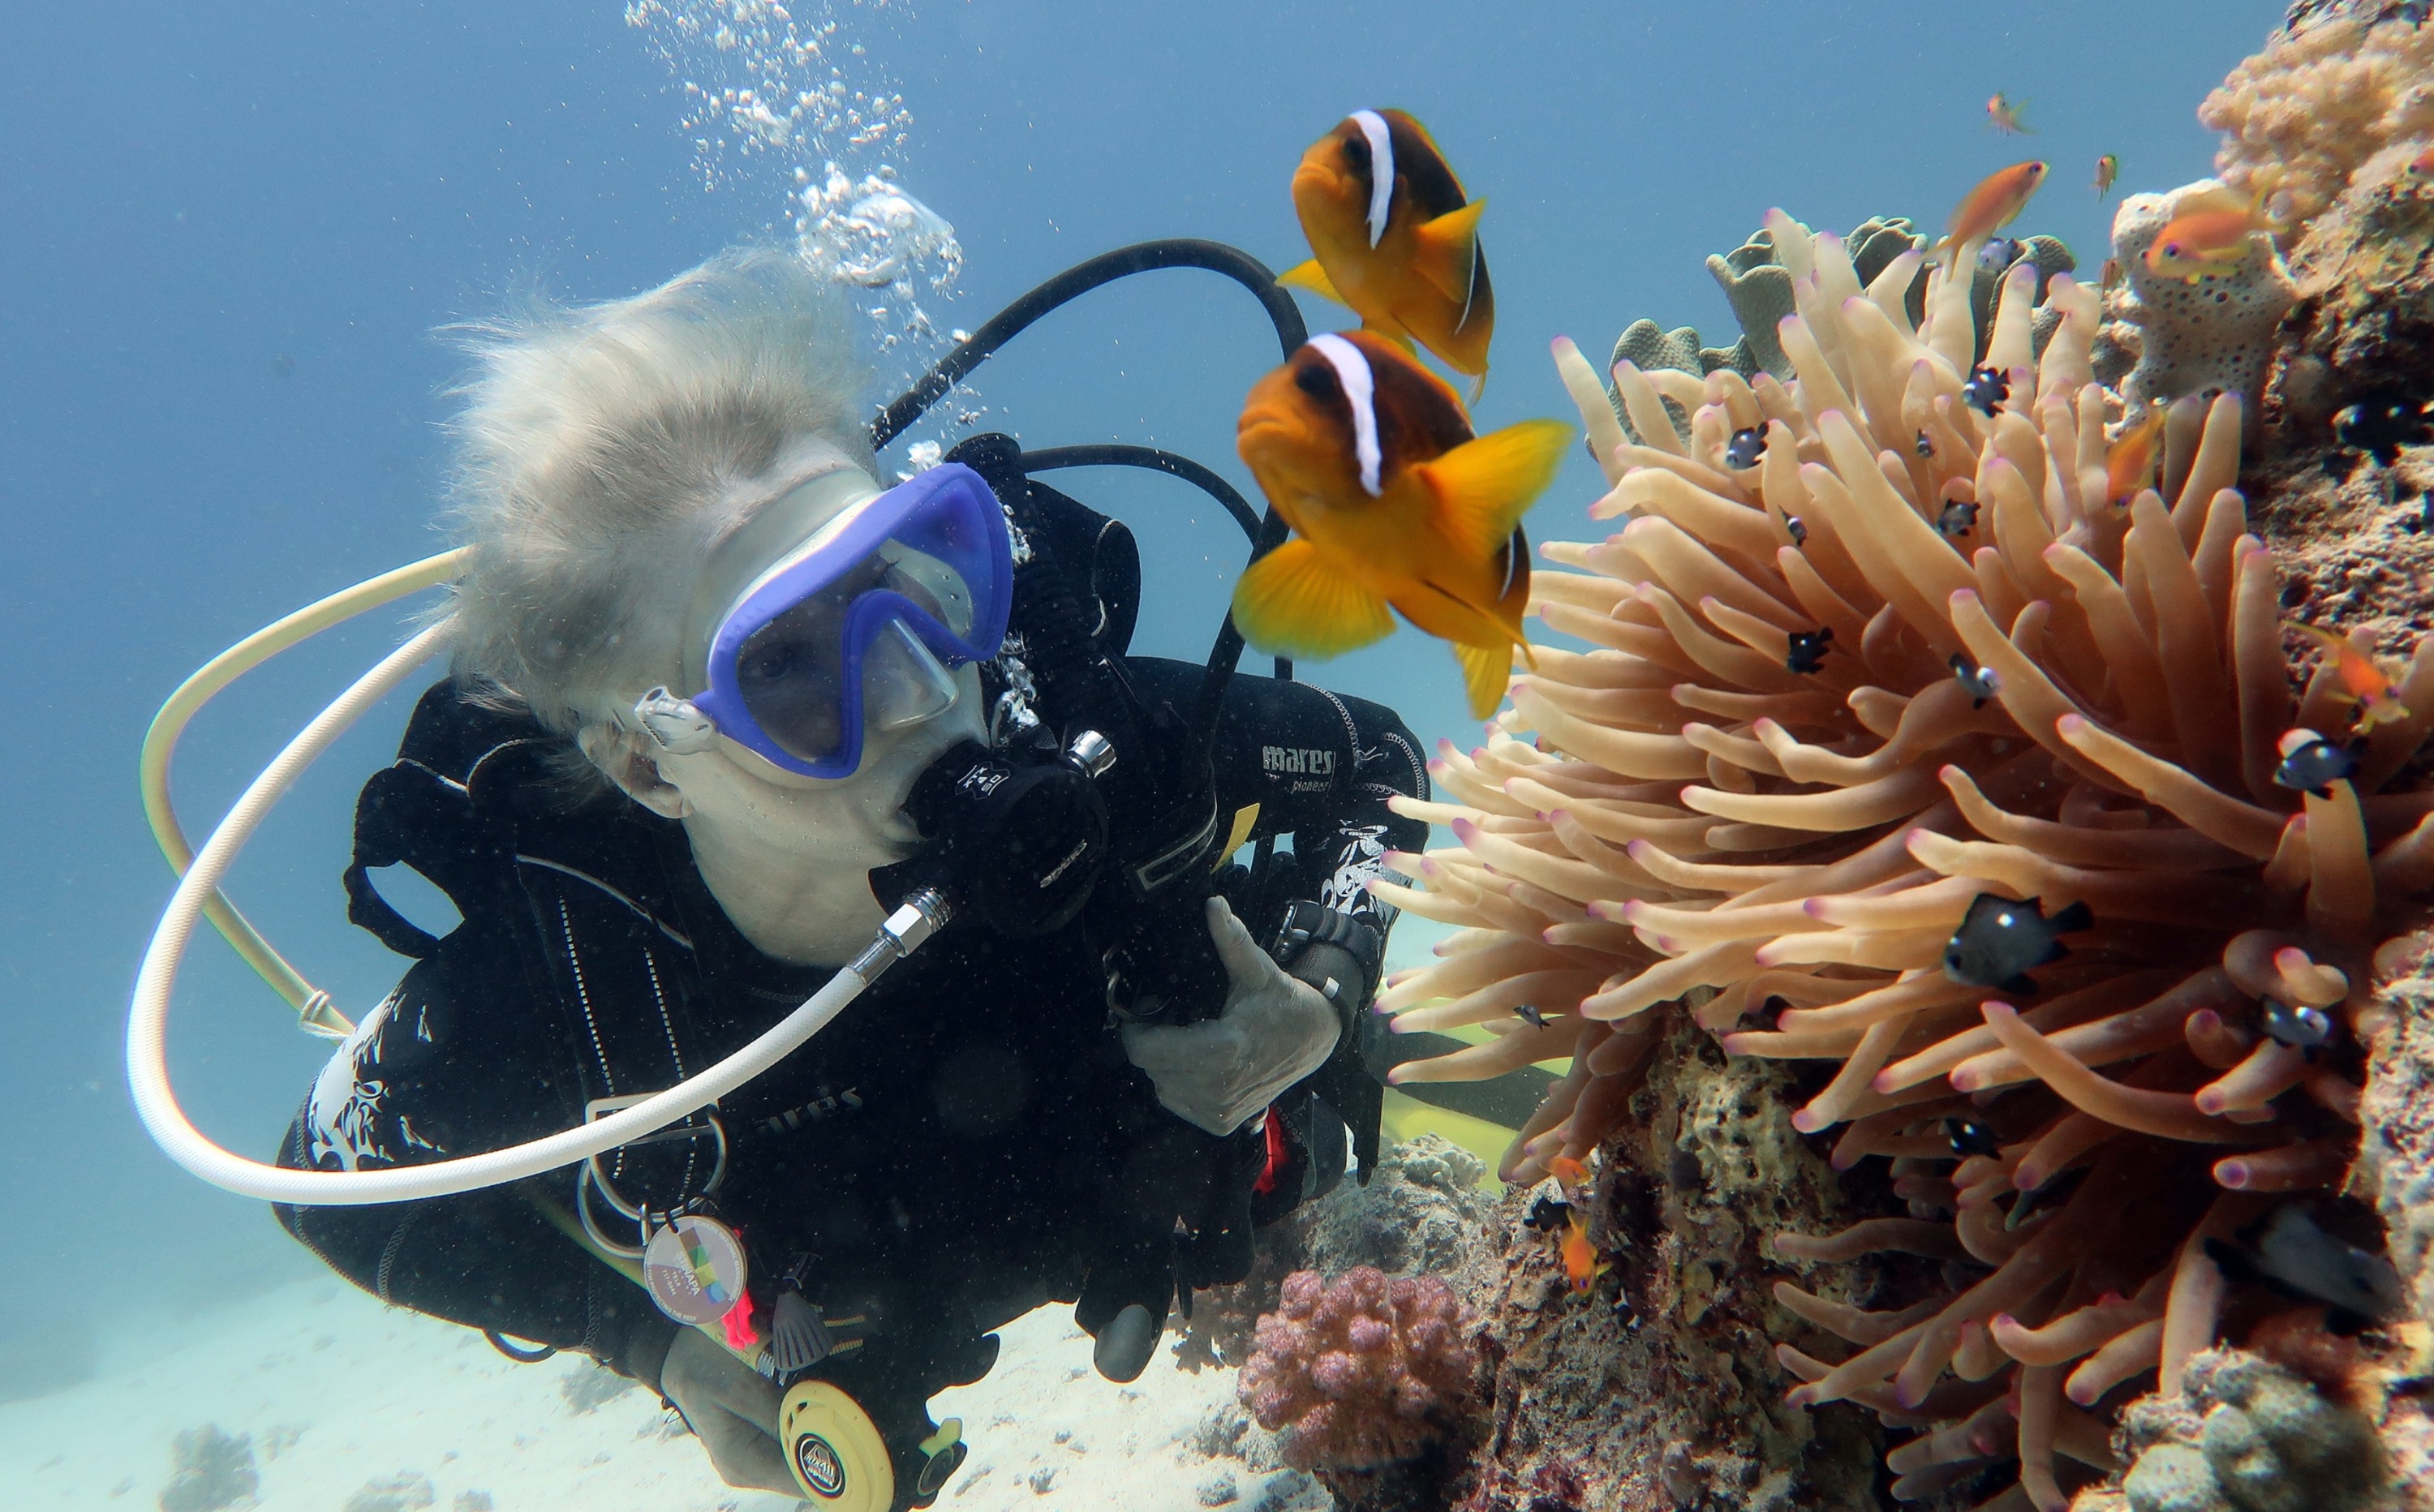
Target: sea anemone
[(1922, 653)]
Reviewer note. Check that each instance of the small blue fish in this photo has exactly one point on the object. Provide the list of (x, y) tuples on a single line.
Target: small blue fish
[(1958, 519), (1798, 532), (2312, 764), (1743, 452), (1528, 1013), (1987, 388), (2296, 1025), (1809, 649), (2000, 941), (1924, 445), (1979, 682), (2291, 1252), (1999, 253)]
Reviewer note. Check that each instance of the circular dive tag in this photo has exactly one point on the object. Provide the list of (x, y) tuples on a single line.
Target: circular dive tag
[(694, 1268)]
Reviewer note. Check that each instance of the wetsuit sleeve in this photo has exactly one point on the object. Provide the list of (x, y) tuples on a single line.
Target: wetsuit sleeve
[(451, 1062), (1317, 765)]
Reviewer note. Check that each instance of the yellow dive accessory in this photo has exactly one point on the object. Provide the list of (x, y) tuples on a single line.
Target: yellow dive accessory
[(834, 1450)]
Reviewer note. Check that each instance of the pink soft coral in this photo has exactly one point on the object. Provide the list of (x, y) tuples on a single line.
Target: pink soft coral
[(1361, 1373)]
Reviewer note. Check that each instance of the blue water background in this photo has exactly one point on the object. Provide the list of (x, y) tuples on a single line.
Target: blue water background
[(228, 231)]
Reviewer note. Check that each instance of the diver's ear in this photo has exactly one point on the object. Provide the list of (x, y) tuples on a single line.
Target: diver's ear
[(619, 753)]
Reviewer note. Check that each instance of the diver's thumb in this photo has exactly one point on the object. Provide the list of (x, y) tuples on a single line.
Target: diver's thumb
[(1245, 963)]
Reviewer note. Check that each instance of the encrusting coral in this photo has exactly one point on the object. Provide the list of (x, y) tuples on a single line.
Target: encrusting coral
[(1362, 1372), (2339, 86), (2195, 337), (1915, 655), (2246, 1434)]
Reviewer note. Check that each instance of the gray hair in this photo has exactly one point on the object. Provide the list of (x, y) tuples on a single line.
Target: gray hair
[(601, 443)]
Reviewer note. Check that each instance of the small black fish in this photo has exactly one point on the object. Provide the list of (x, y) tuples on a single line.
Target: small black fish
[(1987, 388), (2382, 423), (1807, 649), (2314, 764), (1958, 519), (1799, 533), (1979, 682), (1548, 1213), (2296, 1025), (2000, 941), (2292, 1253), (1743, 452), (1924, 445), (1970, 1137), (1999, 253), (1528, 1013)]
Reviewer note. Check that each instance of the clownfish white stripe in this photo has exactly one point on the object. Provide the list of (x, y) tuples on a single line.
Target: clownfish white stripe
[(1360, 390), (1382, 171)]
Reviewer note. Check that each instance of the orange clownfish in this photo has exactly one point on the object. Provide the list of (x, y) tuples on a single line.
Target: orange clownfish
[(1582, 1264), (1394, 238), (2211, 235), (2130, 464), (1987, 209), (1369, 457), (2364, 682)]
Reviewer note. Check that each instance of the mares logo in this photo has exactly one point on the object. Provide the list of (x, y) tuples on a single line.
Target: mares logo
[(817, 1463), (1293, 761)]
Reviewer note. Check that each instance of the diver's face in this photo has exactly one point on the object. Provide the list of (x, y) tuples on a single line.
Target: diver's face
[(729, 795)]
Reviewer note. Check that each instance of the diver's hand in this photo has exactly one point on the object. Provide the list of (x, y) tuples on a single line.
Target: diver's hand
[(1274, 1032), (731, 1409)]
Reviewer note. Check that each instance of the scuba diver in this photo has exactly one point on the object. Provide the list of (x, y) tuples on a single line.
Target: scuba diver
[(734, 726)]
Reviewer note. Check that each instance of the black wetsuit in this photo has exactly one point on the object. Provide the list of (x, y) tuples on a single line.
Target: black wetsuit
[(965, 1142)]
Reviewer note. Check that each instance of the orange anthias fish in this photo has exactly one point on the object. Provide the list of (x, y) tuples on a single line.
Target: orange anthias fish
[(1989, 206), (2211, 235), (2130, 464), (2363, 681), (2421, 167), (1394, 238), (1568, 1173), (1582, 1264), (2108, 170), (2004, 116), (1369, 457)]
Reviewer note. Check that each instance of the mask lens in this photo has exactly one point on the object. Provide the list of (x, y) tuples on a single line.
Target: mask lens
[(902, 684)]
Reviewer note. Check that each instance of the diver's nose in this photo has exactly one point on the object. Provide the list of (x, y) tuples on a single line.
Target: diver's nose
[(902, 684)]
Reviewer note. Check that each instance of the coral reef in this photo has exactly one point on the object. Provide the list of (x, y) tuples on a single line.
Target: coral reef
[(2029, 689), (1362, 1374), (2366, 321), (208, 1469), (2206, 338), (2245, 1434), (2341, 86), (1422, 1211)]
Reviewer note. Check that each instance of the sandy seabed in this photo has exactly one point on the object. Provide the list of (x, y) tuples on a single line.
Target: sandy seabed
[(349, 1406)]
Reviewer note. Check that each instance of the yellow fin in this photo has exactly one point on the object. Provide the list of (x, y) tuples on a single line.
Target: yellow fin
[(1486, 671), (1485, 485), (1290, 600), (1312, 277), (1449, 251)]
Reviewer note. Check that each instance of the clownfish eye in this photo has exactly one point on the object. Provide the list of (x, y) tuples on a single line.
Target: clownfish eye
[(1315, 378), (1356, 152)]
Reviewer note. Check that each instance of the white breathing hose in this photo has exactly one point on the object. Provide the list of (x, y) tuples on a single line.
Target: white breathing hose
[(156, 1101)]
